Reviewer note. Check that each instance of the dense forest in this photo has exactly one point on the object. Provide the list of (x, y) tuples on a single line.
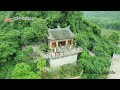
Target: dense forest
[(105, 19), (16, 58)]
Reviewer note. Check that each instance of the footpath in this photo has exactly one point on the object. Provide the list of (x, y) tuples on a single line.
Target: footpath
[(115, 67)]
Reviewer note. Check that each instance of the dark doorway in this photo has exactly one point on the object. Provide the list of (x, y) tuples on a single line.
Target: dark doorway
[(62, 43)]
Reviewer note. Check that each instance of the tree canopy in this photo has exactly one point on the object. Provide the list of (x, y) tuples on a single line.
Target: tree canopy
[(17, 35), (24, 71)]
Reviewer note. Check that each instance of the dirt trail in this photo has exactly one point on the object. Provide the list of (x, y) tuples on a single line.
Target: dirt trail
[(115, 67)]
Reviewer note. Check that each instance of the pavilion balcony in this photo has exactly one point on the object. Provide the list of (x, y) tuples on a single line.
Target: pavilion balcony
[(61, 52)]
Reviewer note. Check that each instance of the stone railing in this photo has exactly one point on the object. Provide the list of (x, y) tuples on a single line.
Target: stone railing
[(61, 53)]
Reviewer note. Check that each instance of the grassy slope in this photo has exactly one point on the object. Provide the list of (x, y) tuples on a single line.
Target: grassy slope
[(108, 32), (102, 17), (109, 15)]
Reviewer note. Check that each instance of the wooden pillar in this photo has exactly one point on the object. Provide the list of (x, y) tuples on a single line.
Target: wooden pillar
[(71, 42), (66, 42), (56, 44)]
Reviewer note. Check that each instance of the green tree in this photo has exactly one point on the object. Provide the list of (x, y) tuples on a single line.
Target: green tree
[(114, 37), (75, 20), (40, 27), (96, 66), (44, 47), (7, 51), (96, 30), (28, 35), (53, 18), (24, 71), (41, 63), (25, 54)]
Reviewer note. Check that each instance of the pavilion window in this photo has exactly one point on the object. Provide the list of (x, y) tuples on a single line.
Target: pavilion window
[(53, 44), (69, 42)]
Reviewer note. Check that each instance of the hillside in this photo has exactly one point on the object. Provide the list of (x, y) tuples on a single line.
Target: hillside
[(108, 32), (105, 19), (18, 37), (104, 15)]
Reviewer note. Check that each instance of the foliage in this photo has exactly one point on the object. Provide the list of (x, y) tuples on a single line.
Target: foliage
[(6, 69), (7, 51), (95, 66), (40, 27), (28, 35), (53, 18), (44, 47), (41, 63), (16, 35), (23, 71), (114, 37), (66, 71), (75, 20), (25, 54), (105, 19)]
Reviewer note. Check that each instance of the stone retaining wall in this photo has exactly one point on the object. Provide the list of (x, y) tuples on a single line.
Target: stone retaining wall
[(63, 60)]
